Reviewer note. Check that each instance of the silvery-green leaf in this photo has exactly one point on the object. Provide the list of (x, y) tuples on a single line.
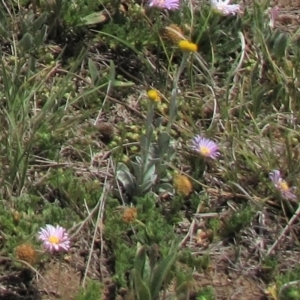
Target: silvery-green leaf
[(158, 122), (145, 143), (126, 178), (151, 162), (171, 152), (173, 105), (137, 171), (147, 185), (138, 159), (163, 142), (150, 170), (166, 188)]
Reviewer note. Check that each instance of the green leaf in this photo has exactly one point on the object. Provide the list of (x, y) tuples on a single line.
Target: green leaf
[(165, 188), (150, 170), (95, 18), (41, 36), (119, 83), (142, 291), (160, 273), (173, 106), (137, 168), (141, 262), (26, 42), (39, 22), (163, 142), (112, 72), (126, 178), (145, 187), (140, 259), (93, 71), (145, 143), (280, 45)]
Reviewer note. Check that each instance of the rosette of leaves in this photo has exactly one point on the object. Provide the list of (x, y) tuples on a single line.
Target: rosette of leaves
[(149, 170)]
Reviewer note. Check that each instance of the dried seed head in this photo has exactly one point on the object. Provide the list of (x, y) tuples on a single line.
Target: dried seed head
[(106, 131), (26, 252), (129, 214), (172, 34)]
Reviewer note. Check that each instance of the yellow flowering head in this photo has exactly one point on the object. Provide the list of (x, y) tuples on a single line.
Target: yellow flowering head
[(129, 214), (185, 45), (182, 184), (53, 239), (26, 252), (154, 95), (172, 33), (283, 185), (204, 150)]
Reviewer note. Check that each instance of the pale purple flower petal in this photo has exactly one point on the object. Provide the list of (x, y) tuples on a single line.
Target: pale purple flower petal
[(274, 14), (55, 239), (164, 4), (281, 185), (224, 8), (205, 147)]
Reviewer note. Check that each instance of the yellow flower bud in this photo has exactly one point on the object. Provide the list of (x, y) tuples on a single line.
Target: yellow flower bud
[(187, 46), (154, 95)]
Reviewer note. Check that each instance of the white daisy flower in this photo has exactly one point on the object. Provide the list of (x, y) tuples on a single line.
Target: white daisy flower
[(224, 8)]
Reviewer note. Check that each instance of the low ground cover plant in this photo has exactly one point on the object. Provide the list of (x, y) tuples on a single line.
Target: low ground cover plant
[(149, 150)]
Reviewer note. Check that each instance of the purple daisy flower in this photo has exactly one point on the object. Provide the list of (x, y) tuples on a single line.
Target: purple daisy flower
[(55, 239), (205, 147), (281, 185), (224, 8), (165, 4)]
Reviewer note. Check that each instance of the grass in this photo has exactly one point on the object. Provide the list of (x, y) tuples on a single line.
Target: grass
[(83, 146)]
